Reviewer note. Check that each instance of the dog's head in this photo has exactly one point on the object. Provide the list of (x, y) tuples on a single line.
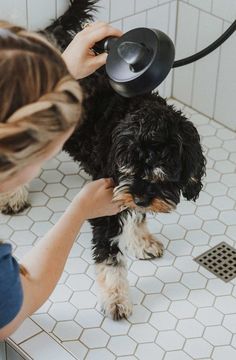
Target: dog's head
[(156, 155)]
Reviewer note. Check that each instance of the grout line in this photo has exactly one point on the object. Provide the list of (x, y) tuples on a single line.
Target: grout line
[(122, 24), (194, 64), (146, 18), (18, 349), (168, 31), (168, 25), (175, 40), (54, 338), (211, 6), (56, 14), (142, 11), (109, 4), (217, 79), (208, 12), (176, 20), (27, 14), (32, 336)]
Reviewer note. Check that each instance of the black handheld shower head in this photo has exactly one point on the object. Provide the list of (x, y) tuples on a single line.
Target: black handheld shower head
[(141, 59), (138, 61)]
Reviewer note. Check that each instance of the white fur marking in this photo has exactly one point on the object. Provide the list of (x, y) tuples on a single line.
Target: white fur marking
[(114, 289), (137, 239)]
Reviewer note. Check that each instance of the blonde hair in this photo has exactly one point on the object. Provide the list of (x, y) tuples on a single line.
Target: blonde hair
[(39, 99)]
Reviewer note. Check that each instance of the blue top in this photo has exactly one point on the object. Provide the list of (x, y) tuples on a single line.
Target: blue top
[(11, 294)]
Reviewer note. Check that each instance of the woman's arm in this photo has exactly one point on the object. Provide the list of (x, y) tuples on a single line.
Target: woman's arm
[(44, 264)]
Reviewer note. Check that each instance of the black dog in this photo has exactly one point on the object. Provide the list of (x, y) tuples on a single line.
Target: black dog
[(152, 152)]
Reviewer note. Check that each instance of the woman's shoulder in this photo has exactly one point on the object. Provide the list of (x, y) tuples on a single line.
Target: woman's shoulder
[(5, 249), (11, 294)]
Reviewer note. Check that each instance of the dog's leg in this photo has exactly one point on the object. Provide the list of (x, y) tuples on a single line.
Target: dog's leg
[(14, 202), (139, 241), (111, 269), (114, 288)]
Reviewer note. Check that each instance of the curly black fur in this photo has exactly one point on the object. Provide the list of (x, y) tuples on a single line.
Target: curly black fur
[(140, 142), (142, 134), (70, 23)]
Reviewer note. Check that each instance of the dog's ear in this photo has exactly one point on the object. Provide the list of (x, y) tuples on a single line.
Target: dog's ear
[(193, 162)]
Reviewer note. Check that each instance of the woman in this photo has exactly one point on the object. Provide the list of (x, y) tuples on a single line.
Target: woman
[(40, 104)]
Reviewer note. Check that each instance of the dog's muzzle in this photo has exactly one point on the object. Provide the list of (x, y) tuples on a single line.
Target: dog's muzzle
[(133, 202)]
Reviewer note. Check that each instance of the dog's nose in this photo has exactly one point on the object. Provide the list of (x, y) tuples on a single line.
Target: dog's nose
[(140, 201)]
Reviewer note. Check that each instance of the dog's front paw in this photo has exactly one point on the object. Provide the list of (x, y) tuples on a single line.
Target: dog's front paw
[(114, 292), (152, 248), (138, 240), (14, 202), (147, 247), (118, 309), (8, 209)]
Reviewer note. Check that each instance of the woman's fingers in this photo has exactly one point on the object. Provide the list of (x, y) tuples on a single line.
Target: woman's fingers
[(102, 33), (98, 61), (91, 26), (109, 183), (98, 31)]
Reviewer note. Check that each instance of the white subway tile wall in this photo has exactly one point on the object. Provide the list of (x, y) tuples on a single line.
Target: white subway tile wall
[(202, 4), (158, 17), (144, 5), (209, 85), (224, 9), (40, 12), (61, 6), (121, 9), (187, 25), (225, 106), (14, 11), (132, 21), (203, 95)]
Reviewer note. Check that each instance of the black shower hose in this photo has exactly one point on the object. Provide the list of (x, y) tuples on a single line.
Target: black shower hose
[(208, 49)]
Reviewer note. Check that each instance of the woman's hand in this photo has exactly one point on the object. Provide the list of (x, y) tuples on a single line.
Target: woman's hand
[(95, 199), (78, 56)]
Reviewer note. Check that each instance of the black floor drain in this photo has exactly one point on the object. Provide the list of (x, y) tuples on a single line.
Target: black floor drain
[(220, 260)]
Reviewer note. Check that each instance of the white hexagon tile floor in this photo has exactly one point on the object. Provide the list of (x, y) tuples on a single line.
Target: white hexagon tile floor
[(181, 310)]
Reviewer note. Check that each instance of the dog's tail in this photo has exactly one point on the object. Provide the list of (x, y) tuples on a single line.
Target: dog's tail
[(70, 23)]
